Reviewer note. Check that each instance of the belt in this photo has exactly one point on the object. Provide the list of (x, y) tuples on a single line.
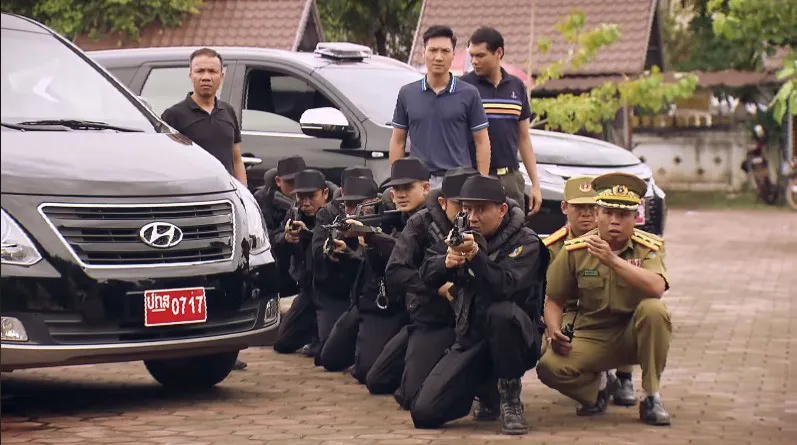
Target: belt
[(503, 171), (437, 173)]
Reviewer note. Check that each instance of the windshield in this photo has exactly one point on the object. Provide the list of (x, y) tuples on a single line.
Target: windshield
[(373, 90), (43, 79)]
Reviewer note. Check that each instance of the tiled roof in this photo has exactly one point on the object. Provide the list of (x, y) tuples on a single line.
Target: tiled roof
[(514, 19), (707, 80), (261, 23)]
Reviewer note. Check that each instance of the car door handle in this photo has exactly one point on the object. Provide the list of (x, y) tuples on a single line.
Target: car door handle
[(250, 161)]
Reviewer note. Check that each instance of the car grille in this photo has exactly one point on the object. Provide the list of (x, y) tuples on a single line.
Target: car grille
[(108, 235), (74, 329)]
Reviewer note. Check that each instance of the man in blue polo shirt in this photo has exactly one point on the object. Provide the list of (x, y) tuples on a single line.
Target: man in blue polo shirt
[(439, 113), (506, 103)]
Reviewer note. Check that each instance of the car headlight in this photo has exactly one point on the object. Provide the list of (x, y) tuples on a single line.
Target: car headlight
[(258, 234), (17, 248)]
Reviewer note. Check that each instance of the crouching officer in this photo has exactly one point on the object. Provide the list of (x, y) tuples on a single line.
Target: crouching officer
[(581, 212), (382, 311), (299, 327), (333, 279), (497, 294), (410, 356), (617, 273)]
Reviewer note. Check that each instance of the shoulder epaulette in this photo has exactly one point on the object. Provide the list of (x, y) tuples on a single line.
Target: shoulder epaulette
[(575, 244), (554, 237), (652, 236), (580, 242), (648, 240)]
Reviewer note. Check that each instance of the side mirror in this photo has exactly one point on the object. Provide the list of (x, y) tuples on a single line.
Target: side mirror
[(326, 122), (250, 161)]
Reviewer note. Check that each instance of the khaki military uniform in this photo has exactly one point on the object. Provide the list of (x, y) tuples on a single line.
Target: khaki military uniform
[(615, 325)]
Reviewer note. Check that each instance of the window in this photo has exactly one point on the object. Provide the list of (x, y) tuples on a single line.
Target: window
[(373, 90), (275, 102), (165, 87), (57, 83)]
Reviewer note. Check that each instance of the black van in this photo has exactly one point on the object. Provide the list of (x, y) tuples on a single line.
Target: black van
[(120, 239)]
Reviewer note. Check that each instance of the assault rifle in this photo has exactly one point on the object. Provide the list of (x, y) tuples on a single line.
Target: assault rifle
[(461, 227), (293, 223), (372, 216)]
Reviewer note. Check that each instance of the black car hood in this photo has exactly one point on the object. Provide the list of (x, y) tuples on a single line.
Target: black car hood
[(89, 163)]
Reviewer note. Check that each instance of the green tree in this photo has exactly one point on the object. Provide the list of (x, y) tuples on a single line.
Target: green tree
[(765, 26), (572, 113), (387, 26), (96, 17)]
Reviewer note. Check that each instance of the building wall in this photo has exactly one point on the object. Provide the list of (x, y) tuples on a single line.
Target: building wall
[(698, 160)]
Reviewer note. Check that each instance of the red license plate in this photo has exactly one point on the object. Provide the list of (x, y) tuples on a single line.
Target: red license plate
[(640, 213), (175, 306)]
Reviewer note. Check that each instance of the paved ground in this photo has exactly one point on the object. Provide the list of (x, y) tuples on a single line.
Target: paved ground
[(731, 377)]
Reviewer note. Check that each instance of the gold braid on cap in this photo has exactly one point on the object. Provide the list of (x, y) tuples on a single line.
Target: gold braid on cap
[(628, 199)]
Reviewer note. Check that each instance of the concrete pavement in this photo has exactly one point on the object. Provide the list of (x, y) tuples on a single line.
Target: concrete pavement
[(731, 376)]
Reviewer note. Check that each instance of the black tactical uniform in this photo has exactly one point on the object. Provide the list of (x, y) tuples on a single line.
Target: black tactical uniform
[(496, 305), (377, 313), (299, 326), (409, 357), (332, 279), (275, 206)]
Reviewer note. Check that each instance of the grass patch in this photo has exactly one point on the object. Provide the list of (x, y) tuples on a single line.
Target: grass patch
[(719, 200)]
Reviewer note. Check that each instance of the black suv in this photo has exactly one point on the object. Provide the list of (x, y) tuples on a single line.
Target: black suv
[(334, 106), (120, 239)]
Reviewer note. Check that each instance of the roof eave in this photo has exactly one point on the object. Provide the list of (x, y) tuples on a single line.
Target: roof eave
[(417, 32)]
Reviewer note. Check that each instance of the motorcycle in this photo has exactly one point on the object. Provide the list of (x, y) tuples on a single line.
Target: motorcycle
[(757, 166)]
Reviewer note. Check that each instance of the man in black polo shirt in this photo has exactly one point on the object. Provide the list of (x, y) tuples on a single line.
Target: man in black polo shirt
[(209, 122), (506, 103), (440, 114)]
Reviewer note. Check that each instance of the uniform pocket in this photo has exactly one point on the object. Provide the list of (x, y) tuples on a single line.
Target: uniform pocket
[(591, 293), (625, 298)]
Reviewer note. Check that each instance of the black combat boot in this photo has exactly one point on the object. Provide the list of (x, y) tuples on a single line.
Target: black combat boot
[(311, 349), (652, 412), (511, 408), (486, 410)]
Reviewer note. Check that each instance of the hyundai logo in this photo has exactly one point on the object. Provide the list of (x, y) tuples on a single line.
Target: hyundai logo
[(161, 234)]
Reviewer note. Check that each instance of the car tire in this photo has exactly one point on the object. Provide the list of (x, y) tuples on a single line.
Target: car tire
[(192, 373)]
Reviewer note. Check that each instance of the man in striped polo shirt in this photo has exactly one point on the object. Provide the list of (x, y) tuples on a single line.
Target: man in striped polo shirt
[(506, 103)]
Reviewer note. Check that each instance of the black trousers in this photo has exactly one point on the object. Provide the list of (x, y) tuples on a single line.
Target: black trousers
[(426, 346), (374, 333), (510, 347), (384, 377), (328, 312), (337, 352), (299, 326)]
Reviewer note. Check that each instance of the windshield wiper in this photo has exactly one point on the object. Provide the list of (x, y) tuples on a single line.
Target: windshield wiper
[(76, 124), (30, 127)]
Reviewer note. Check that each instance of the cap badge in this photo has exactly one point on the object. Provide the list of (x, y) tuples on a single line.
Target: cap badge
[(585, 187), (620, 190)]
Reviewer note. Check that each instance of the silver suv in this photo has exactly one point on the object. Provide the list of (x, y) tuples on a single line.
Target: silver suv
[(334, 108)]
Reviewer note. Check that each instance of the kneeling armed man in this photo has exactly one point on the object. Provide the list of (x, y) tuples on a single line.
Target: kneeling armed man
[(498, 283), (618, 275)]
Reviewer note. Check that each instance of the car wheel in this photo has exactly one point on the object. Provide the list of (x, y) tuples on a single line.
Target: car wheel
[(201, 372)]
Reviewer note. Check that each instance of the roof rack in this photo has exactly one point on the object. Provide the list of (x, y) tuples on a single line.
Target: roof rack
[(342, 51)]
